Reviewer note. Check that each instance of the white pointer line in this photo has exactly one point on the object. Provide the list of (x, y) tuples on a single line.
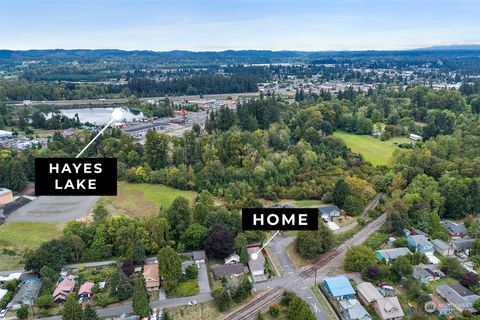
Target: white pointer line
[(95, 138), (267, 242)]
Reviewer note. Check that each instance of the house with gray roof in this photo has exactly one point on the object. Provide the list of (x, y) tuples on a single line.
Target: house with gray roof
[(228, 270), (392, 254), (368, 293), (353, 310), (454, 229), (462, 244), (460, 297), (443, 248), (388, 308)]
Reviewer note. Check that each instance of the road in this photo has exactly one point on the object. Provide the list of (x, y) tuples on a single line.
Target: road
[(369, 207), (119, 101)]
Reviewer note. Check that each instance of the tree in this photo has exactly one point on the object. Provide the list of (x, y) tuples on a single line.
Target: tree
[(340, 192), (128, 267), (469, 279), (452, 267), (194, 237), (313, 243), (140, 298), (219, 243), (89, 313), (170, 267), (221, 297), (18, 179), (298, 309), (242, 291), (120, 287), (100, 214), (72, 310), (357, 258), (402, 267), (23, 312), (45, 301), (476, 305), (179, 216)]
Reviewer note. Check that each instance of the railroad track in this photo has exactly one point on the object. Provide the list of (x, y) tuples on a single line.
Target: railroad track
[(251, 309)]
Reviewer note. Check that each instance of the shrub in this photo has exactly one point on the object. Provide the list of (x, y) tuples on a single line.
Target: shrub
[(45, 301), (274, 310), (23, 312)]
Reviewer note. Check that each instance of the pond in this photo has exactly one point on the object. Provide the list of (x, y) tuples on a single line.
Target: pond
[(98, 116)]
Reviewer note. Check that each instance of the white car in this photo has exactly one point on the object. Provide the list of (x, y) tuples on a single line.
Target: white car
[(192, 303), (3, 313)]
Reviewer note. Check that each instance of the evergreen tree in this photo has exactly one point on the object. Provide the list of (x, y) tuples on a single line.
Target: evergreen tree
[(170, 267), (18, 179), (140, 298), (341, 192), (89, 313), (72, 309)]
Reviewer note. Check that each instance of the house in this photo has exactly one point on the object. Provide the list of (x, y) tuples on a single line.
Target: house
[(460, 297), (150, 273), (232, 259), (443, 248), (329, 211), (353, 310), (62, 290), (368, 293), (256, 266), (339, 288), (441, 307), (420, 232), (6, 196), (415, 137), (11, 276), (462, 245), (454, 229), (388, 308), (199, 257), (421, 243), (86, 290), (228, 270), (426, 274), (392, 254)]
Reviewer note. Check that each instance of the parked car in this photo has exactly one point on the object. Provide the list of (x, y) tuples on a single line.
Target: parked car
[(192, 303), (3, 313)]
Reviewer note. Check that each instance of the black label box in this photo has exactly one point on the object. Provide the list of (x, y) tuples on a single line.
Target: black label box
[(75, 176), (280, 219)]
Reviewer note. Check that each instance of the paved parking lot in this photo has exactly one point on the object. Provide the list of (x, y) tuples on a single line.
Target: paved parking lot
[(53, 209)]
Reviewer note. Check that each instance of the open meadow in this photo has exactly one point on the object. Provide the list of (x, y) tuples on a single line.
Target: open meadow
[(372, 149), (141, 199)]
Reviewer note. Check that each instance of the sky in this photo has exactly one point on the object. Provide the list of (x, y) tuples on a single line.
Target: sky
[(214, 25)]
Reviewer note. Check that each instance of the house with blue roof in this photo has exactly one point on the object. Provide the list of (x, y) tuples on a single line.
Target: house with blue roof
[(339, 288), (420, 243)]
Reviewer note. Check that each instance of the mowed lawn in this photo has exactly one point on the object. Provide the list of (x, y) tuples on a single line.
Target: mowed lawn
[(373, 150), (141, 199), (20, 236)]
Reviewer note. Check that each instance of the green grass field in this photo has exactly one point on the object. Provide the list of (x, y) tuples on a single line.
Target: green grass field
[(373, 150), (136, 200), (20, 236)]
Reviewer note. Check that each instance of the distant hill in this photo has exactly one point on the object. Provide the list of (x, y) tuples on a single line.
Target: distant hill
[(454, 47)]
